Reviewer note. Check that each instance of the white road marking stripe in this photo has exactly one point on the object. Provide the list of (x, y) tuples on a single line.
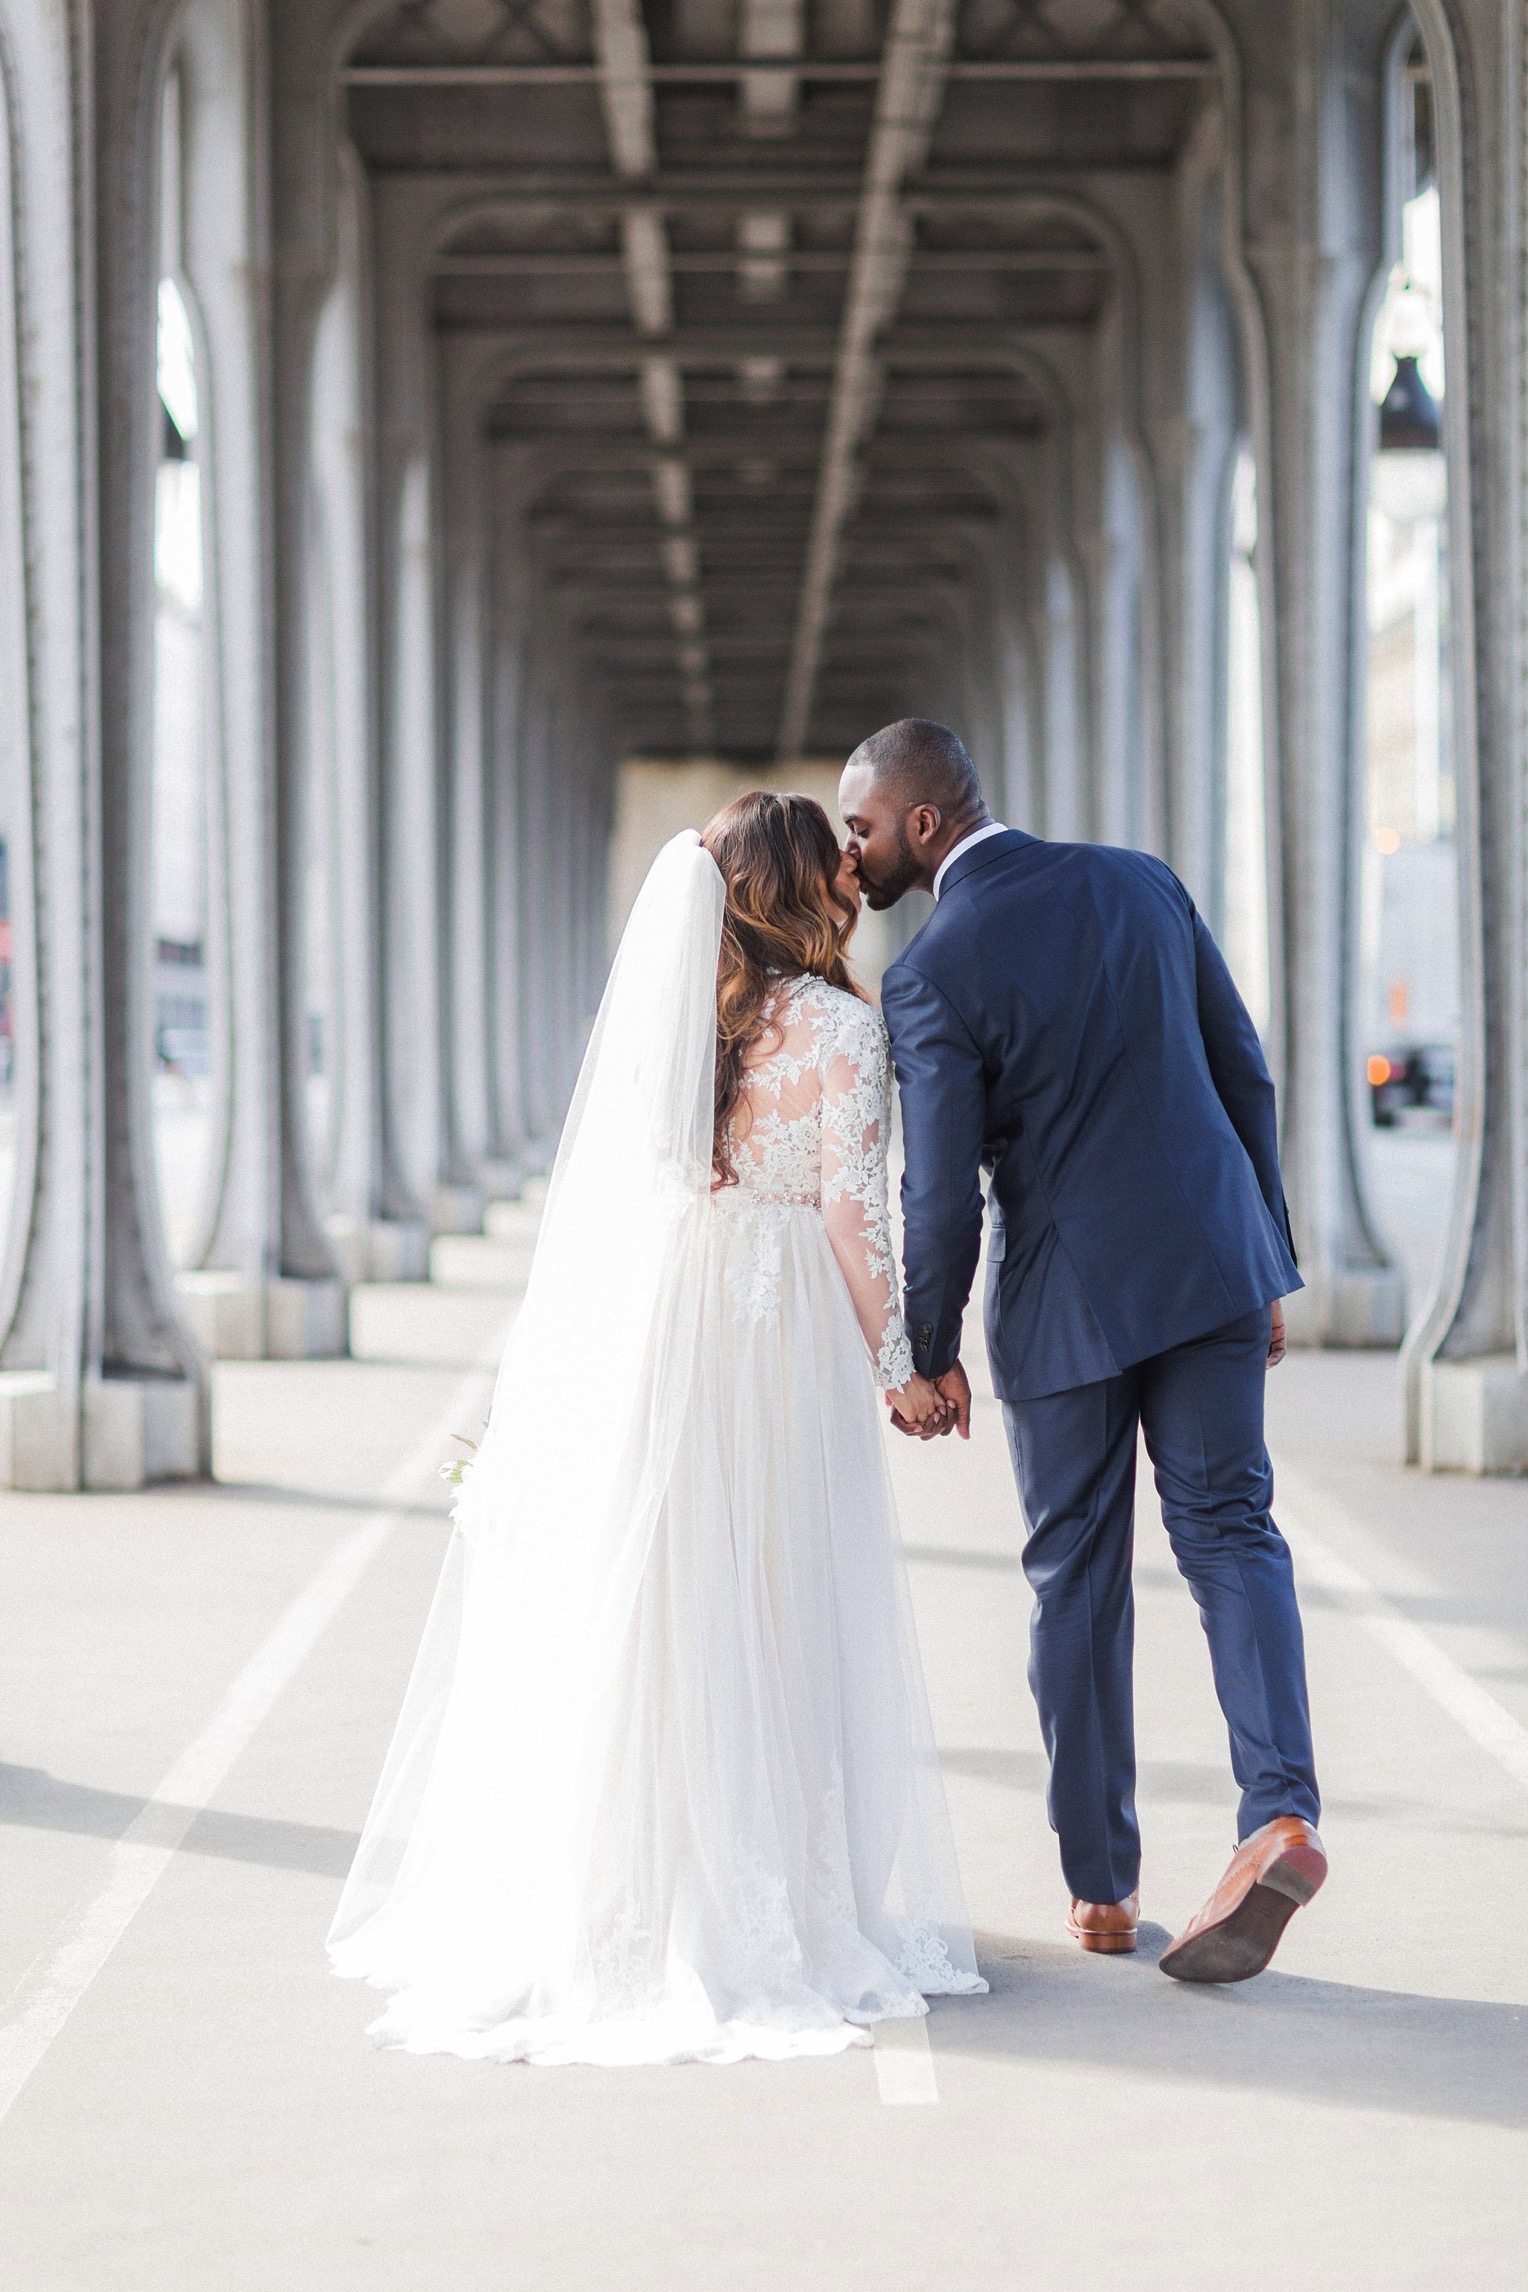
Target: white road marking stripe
[(904, 2063), (53, 1986), (1455, 1690)]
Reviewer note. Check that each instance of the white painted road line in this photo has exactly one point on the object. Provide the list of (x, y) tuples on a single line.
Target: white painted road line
[(1488, 1723), (51, 1989), (904, 2063)]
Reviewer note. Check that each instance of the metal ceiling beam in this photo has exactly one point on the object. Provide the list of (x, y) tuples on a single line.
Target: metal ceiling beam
[(744, 583), (808, 261), (626, 94), (918, 41), (607, 346), (1042, 71), (827, 188), (771, 35), (789, 455), (617, 348)]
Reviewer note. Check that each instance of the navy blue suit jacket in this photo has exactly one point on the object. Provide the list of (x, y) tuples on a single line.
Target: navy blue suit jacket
[(1065, 1018)]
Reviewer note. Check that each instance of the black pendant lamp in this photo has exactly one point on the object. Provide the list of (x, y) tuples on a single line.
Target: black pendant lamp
[(1408, 418)]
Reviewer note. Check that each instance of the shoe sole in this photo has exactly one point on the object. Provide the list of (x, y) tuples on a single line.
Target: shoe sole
[(1103, 1945), (1244, 1941)]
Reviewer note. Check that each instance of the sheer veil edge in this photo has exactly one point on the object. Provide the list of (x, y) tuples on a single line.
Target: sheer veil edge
[(559, 1503)]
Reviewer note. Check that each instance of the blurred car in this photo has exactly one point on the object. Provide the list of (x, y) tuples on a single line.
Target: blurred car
[(1414, 1078)]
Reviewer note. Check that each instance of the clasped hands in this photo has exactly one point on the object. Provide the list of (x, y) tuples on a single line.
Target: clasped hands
[(926, 1408)]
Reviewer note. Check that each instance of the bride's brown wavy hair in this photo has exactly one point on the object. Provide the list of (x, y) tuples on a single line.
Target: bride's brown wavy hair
[(784, 914)]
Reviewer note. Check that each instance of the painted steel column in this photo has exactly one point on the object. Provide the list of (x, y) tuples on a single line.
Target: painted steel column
[(1313, 244), (341, 775), (142, 1335), (413, 826), (102, 1387), (1466, 1362), (1201, 428), (304, 181), (236, 1299), (466, 547), (510, 1104), (536, 900)]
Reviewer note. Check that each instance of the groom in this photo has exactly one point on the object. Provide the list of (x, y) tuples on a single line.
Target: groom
[(1065, 1020)]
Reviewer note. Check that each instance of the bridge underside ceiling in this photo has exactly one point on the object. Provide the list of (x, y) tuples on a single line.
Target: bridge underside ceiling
[(764, 301)]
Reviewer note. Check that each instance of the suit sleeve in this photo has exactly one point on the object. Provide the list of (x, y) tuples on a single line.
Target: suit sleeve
[(1239, 1071), (944, 1107)]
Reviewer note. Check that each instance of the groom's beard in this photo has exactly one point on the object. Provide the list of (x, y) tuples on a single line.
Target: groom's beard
[(886, 889)]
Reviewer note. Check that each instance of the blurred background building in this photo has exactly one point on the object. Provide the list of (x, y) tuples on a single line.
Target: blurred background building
[(446, 445)]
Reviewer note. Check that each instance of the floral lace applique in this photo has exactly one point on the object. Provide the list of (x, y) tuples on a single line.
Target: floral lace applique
[(756, 1274), (830, 1879), (813, 1133), (623, 1958), (925, 1959), (764, 1926)]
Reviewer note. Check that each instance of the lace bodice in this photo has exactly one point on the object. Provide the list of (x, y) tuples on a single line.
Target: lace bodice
[(812, 1131)]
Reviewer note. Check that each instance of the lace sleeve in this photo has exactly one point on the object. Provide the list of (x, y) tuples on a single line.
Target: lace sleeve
[(856, 1130)]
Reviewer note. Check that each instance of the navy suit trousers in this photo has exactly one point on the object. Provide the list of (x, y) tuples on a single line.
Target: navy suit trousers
[(1200, 1408)]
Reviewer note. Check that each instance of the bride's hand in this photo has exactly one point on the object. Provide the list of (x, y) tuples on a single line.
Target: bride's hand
[(918, 1407)]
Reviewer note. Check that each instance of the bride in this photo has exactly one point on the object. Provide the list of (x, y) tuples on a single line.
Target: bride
[(664, 1786)]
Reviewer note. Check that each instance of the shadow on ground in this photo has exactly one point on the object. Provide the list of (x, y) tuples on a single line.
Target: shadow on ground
[(1286, 2034), (32, 1799)]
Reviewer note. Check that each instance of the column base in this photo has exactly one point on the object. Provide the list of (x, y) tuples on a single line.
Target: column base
[(1474, 1415), (225, 1313), (39, 1442), (379, 1249), (305, 1320), (1352, 1311), (457, 1210), (499, 1178), (129, 1431), (234, 1318)]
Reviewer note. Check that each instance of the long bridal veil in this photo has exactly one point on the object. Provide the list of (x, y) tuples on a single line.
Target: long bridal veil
[(664, 1785), (557, 1508)]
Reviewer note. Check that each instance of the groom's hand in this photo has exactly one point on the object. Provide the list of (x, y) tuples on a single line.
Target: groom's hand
[(954, 1387), (1276, 1335)]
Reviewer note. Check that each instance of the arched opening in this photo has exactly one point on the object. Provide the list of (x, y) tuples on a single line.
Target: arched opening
[(1244, 815), (338, 812), (183, 1086), (17, 1046), (1409, 900)]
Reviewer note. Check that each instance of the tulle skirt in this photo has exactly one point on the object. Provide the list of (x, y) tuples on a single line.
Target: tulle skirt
[(724, 1833)]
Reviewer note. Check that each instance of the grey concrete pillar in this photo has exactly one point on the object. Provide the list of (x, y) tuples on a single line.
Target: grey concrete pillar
[(1466, 1361), (100, 1386), (1061, 606), (238, 1298), (109, 1391), (509, 1114), (341, 777), (415, 763), (304, 180), (1312, 246), (467, 603), (1202, 432), (538, 901)]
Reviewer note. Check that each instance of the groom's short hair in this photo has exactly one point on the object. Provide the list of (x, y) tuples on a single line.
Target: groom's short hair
[(920, 762)]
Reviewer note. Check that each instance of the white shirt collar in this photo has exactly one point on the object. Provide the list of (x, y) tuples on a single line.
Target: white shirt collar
[(966, 844)]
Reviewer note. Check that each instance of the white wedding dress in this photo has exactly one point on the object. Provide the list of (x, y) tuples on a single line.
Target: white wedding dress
[(665, 1787)]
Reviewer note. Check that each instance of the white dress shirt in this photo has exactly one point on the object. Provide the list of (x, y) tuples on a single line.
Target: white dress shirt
[(967, 843)]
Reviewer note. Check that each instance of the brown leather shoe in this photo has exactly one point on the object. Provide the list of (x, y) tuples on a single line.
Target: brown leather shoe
[(1108, 1927), (1272, 1875)]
